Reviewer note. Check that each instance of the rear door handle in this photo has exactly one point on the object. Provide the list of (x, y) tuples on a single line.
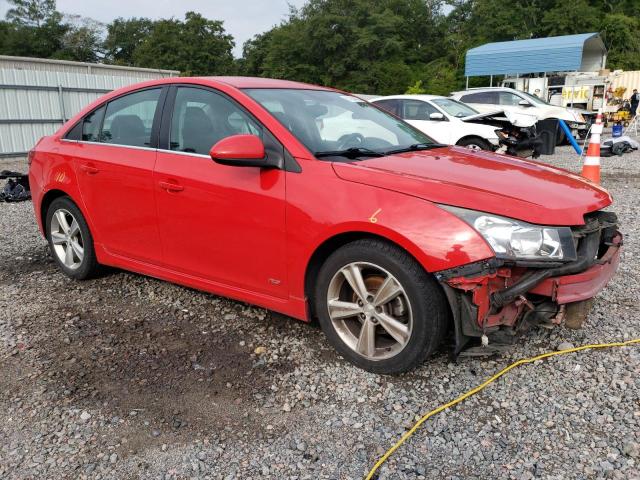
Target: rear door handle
[(91, 170), (171, 187)]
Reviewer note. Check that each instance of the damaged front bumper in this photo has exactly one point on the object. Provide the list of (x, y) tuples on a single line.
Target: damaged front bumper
[(493, 301)]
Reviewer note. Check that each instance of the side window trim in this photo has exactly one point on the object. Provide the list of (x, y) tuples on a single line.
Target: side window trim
[(165, 122), (157, 118), (290, 164)]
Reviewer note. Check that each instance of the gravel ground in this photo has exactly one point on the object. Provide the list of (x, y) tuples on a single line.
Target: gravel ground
[(130, 377)]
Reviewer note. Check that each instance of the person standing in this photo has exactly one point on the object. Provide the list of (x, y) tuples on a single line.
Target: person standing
[(635, 101)]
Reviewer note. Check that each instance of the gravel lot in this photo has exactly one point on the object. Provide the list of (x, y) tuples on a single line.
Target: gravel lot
[(130, 377)]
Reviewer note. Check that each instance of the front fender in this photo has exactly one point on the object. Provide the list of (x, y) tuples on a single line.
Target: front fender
[(437, 239), (331, 206)]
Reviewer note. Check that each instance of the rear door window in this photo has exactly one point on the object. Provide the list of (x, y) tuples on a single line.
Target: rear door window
[(129, 119), (481, 97), (390, 105)]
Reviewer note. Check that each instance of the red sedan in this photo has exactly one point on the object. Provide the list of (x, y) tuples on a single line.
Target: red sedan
[(311, 202)]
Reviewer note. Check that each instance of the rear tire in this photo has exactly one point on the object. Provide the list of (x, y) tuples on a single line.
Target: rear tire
[(475, 143), (406, 328), (70, 240)]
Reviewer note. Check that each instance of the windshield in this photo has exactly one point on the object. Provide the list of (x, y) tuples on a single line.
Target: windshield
[(534, 99), (326, 121), (454, 108)]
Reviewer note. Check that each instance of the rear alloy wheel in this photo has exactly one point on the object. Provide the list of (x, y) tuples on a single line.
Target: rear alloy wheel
[(379, 308), (70, 240), (66, 239)]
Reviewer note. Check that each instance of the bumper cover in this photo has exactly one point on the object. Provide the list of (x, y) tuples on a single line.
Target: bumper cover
[(494, 301), (584, 285), (481, 304)]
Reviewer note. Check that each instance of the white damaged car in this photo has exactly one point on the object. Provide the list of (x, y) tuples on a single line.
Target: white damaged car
[(448, 121), (490, 99)]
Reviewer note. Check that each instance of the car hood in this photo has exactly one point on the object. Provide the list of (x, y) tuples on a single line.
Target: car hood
[(565, 114), (478, 116), (488, 182), (515, 118)]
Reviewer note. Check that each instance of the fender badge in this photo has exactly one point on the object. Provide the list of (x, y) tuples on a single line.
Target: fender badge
[(373, 218)]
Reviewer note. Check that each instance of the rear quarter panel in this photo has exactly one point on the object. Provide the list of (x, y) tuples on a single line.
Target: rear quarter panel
[(51, 169)]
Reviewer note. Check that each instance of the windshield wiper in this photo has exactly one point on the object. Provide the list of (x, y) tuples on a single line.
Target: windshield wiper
[(416, 147), (353, 152)]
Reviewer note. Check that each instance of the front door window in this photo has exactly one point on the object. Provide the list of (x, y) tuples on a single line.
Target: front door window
[(201, 118)]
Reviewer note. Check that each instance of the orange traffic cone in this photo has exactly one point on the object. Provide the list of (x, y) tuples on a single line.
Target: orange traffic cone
[(591, 166)]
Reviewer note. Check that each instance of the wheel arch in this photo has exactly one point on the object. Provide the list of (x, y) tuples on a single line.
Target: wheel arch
[(331, 244), (47, 200), (473, 137)]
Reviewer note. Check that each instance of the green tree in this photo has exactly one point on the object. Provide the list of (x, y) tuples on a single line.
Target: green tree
[(32, 13), (124, 36), (357, 45), (195, 46), (34, 29), (472, 23), (621, 34), (580, 17), (82, 41)]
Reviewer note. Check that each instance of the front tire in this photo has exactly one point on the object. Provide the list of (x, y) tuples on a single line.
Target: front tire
[(70, 240), (379, 308), (475, 143)]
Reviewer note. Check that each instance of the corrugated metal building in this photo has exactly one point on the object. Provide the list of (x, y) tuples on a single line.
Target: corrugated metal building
[(585, 52), (38, 95), (628, 80)]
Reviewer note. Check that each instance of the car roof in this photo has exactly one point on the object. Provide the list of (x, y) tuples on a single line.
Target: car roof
[(486, 89), (259, 82), (233, 82), (419, 96)]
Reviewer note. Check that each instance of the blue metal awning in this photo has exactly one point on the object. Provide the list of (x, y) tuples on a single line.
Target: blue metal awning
[(553, 54)]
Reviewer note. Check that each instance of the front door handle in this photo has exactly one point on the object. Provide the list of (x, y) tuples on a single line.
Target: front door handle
[(171, 187), (89, 169)]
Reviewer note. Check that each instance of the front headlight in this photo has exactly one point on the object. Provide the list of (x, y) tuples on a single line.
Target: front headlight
[(516, 240)]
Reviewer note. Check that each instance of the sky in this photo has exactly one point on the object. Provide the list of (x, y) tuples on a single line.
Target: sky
[(242, 18)]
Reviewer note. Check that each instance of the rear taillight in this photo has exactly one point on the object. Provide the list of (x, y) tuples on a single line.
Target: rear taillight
[(30, 155)]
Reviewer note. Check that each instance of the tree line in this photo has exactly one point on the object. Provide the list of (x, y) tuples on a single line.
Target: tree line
[(383, 47)]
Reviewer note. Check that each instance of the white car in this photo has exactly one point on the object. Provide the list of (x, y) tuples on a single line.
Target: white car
[(502, 98), (445, 120)]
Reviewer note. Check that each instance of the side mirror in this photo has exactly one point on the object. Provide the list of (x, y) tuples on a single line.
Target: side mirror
[(239, 151), (524, 103), (436, 116)]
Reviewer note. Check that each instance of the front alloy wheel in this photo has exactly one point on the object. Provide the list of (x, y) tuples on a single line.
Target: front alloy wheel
[(369, 310), (378, 307)]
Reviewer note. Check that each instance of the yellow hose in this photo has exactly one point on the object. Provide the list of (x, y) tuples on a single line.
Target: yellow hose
[(475, 390)]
